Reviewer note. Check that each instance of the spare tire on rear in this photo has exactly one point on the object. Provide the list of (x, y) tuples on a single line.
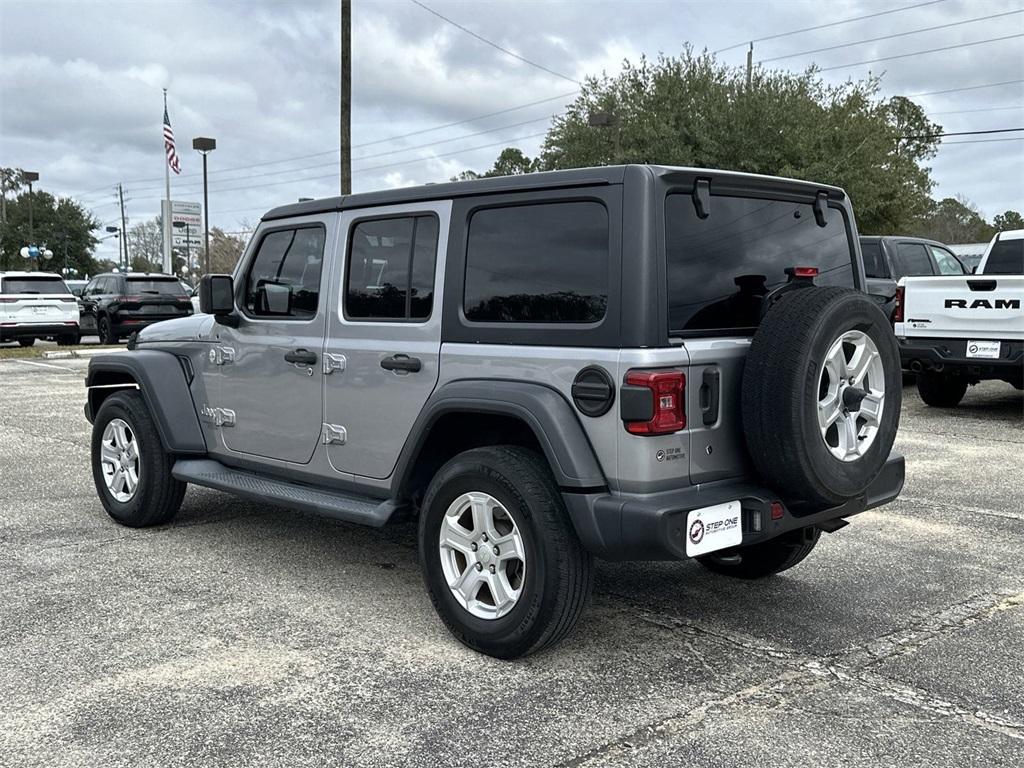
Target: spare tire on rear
[(822, 390)]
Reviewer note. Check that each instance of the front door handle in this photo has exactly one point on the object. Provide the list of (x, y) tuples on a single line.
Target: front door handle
[(301, 357), (401, 363)]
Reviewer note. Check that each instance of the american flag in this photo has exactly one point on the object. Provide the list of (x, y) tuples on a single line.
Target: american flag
[(172, 156)]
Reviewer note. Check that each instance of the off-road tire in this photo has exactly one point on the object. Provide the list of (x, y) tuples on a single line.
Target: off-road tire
[(558, 568), (159, 494), (26, 342), (761, 560), (941, 390), (69, 339), (780, 394), (106, 331)]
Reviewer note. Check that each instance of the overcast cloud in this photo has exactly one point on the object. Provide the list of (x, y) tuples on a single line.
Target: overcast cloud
[(80, 97)]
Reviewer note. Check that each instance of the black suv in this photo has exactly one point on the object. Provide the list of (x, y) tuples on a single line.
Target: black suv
[(115, 304), (888, 258)]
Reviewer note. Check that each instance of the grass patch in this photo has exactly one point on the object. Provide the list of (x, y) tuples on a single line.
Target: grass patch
[(19, 353)]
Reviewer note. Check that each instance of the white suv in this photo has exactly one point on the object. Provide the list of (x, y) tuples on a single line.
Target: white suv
[(37, 305)]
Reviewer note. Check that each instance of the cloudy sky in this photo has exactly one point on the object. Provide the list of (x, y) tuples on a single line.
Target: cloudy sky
[(80, 86)]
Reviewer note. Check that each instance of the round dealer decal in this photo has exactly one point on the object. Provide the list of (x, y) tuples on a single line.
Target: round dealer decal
[(696, 531)]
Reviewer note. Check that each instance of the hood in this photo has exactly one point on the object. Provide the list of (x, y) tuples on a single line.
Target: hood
[(191, 328)]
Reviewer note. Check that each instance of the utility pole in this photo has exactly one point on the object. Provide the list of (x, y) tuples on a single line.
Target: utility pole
[(124, 226), (346, 97), (165, 210), (750, 64)]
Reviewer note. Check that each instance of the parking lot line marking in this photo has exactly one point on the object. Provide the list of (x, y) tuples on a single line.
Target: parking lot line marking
[(44, 365)]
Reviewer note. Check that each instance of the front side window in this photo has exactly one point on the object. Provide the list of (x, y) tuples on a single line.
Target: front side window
[(913, 260), (1006, 258), (284, 279), (390, 274), (947, 262), (721, 267), (545, 263)]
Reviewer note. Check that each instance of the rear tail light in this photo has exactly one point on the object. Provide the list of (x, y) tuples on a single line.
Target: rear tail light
[(653, 402), (7, 299), (897, 314), (130, 298), (184, 298)]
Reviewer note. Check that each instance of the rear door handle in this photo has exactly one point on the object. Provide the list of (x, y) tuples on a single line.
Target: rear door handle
[(301, 357), (401, 363)]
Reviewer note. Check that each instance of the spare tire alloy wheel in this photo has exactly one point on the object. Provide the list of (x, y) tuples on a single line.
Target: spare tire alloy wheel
[(851, 395), (119, 460), (482, 555)]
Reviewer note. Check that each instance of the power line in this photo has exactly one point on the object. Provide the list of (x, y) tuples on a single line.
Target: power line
[(965, 88), (970, 111), (498, 47), (962, 133), (981, 141), (830, 24), (921, 53), (890, 37)]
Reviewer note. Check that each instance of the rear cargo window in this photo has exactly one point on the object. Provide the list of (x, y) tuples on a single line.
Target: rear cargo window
[(23, 285), (169, 287), (720, 268), (544, 263), (1006, 258)]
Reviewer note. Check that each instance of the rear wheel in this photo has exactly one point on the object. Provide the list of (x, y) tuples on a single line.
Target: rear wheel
[(68, 339), (26, 342), (105, 331), (941, 390), (502, 563), (760, 560), (130, 468)]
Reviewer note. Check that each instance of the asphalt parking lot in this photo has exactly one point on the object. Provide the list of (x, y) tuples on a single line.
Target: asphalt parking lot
[(244, 634)]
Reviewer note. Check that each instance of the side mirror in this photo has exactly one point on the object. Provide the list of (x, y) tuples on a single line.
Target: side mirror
[(217, 295)]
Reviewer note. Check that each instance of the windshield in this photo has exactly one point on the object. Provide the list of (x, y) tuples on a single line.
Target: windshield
[(23, 285), (720, 268), (167, 286), (1006, 258)]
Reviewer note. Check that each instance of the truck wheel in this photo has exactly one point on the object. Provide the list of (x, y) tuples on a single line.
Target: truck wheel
[(760, 560), (26, 342), (821, 394), (502, 563), (130, 468), (105, 331), (941, 390)]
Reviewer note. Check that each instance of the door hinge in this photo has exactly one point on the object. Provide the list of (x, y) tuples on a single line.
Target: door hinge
[(334, 433), (222, 355), (222, 417), (333, 363)]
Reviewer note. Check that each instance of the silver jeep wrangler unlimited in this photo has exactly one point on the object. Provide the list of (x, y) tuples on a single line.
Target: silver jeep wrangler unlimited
[(633, 362)]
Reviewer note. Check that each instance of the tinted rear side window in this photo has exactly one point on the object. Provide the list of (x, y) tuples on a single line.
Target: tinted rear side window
[(1006, 258), (720, 268), (874, 263), (168, 287), (913, 260), (544, 263), (32, 285)]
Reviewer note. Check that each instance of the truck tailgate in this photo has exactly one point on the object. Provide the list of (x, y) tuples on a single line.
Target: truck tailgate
[(968, 307)]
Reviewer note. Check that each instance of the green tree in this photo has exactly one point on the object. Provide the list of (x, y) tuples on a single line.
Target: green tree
[(1008, 220), (225, 251), (691, 110), (146, 245), (511, 162), (60, 224), (954, 220)]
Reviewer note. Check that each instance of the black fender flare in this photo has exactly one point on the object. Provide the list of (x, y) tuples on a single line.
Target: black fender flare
[(544, 410), (161, 379)]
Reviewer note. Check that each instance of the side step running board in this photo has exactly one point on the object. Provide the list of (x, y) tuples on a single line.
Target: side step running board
[(349, 507)]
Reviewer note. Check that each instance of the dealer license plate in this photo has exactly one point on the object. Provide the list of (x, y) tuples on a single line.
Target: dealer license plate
[(985, 349), (712, 528)]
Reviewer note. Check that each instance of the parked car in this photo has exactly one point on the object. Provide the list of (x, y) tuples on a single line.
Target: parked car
[(118, 303), (969, 253), (633, 362), (76, 286), (37, 305), (889, 258), (956, 332)]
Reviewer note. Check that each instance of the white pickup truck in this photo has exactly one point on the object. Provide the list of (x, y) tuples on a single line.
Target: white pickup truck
[(956, 331)]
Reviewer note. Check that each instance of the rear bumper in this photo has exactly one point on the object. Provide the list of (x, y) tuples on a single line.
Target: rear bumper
[(938, 354), (653, 526), (36, 330)]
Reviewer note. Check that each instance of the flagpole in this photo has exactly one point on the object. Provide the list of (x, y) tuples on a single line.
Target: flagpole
[(166, 212)]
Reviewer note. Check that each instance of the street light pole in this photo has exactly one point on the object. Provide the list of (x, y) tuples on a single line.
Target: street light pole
[(205, 146), (30, 176)]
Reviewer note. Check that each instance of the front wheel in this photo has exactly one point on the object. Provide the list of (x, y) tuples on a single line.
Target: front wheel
[(500, 558), (941, 390), (760, 560), (130, 468)]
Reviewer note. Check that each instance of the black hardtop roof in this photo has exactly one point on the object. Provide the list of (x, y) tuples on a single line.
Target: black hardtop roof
[(575, 177)]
